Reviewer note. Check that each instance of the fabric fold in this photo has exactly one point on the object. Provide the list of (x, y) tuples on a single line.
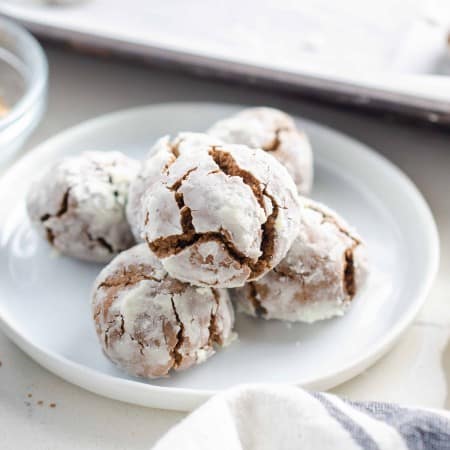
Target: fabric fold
[(276, 417)]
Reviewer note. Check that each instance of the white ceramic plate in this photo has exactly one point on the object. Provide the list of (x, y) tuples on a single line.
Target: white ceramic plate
[(44, 299)]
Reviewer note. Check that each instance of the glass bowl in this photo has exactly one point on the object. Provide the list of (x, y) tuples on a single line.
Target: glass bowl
[(23, 87)]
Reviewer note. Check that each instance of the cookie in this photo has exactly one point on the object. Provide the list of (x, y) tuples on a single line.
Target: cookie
[(78, 205), (149, 324), (319, 277), (275, 132), (160, 156), (221, 215)]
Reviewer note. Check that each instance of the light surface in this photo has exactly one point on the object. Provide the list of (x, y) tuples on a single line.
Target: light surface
[(44, 300)]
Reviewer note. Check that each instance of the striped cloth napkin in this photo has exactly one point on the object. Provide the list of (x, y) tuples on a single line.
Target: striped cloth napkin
[(273, 417)]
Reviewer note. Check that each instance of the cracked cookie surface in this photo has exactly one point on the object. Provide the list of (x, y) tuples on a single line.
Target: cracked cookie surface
[(221, 215), (148, 323), (273, 131), (78, 205), (320, 275), (161, 155)]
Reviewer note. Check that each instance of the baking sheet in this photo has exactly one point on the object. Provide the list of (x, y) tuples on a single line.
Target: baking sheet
[(390, 54)]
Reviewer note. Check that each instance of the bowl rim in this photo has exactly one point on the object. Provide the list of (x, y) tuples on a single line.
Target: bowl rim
[(37, 85)]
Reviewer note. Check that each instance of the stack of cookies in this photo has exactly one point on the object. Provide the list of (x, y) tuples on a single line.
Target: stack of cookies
[(219, 218)]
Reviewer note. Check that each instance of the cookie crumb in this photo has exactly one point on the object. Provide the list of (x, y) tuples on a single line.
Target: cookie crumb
[(3, 108), (30, 395), (40, 402), (52, 405), (1, 364)]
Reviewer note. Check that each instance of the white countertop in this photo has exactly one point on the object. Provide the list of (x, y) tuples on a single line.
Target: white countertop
[(416, 371)]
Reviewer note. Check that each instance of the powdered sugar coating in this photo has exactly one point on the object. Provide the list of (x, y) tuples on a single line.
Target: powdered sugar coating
[(273, 131), (222, 215), (78, 204), (162, 154), (322, 272), (149, 323)]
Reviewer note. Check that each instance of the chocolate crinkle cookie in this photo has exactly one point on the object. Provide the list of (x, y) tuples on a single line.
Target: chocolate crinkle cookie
[(160, 156), (221, 215), (321, 274), (148, 323), (275, 132), (78, 205)]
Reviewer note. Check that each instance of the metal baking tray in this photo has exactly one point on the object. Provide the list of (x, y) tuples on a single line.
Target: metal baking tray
[(390, 55)]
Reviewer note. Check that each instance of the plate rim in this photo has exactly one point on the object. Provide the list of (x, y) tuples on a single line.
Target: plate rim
[(184, 399)]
